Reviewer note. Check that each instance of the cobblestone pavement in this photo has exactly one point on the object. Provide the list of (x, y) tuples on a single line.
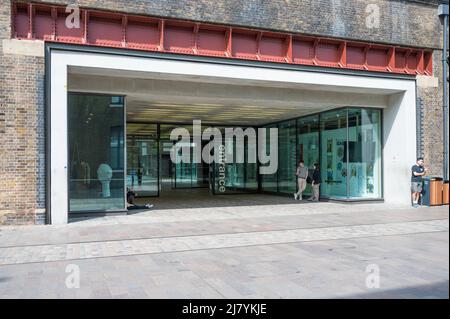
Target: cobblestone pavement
[(286, 250)]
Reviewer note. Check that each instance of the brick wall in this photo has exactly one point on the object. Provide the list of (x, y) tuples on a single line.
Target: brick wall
[(22, 192), (433, 146), (410, 23), (22, 171)]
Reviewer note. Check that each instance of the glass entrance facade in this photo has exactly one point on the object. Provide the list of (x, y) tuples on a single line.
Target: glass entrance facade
[(106, 156), (346, 143)]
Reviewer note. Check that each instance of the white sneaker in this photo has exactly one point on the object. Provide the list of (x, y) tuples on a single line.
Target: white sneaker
[(295, 196), (300, 198)]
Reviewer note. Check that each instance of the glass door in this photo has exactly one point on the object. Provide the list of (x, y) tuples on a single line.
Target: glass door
[(166, 167), (234, 177), (142, 165), (193, 174)]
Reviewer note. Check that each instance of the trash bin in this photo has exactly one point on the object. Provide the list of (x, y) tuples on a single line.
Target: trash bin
[(432, 191), (445, 193)]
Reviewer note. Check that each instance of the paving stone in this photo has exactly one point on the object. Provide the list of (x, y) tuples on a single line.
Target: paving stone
[(289, 256)]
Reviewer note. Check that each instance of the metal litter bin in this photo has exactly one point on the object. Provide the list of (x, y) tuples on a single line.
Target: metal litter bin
[(445, 193), (432, 191)]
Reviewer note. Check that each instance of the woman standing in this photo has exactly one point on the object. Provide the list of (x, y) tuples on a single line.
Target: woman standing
[(316, 180)]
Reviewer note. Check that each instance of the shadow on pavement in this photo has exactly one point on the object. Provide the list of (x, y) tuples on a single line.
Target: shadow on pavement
[(437, 290)]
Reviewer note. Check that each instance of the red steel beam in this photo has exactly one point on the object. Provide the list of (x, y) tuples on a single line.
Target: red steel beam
[(289, 49), (54, 14), (112, 29), (84, 40), (124, 30), (229, 41), (343, 54), (30, 21), (195, 48)]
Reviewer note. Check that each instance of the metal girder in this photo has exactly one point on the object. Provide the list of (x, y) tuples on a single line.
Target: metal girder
[(101, 28)]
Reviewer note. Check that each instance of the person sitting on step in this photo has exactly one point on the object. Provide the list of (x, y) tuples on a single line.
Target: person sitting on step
[(131, 195)]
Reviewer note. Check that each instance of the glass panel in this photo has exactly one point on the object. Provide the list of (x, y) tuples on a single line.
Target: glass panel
[(269, 181), (235, 177), (251, 169), (287, 157), (166, 167), (184, 172), (200, 169), (308, 144), (364, 153), (201, 175), (230, 175), (96, 153), (142, 159), (220, 170), (333, 163), (185, 175), (235, 170), (231, 171)]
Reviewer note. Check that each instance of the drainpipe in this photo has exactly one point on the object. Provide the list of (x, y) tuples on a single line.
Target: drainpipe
[(443, 13)]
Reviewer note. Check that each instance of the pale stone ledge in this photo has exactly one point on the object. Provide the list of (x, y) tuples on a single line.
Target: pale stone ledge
[(23, 47), (425, 81)]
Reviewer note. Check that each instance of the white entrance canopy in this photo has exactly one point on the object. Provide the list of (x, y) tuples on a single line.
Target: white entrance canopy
[(225, 101), (225, 93)]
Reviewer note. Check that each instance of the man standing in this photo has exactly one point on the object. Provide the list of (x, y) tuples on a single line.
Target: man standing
[(302, 174), (417, 173)]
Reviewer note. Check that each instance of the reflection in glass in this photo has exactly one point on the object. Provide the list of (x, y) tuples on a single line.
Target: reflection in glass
[(235, 177), (166, 167), (251, 169), (333, 163), (364, 153), (184, 172), (308, 144), (96, 153), (269, 182), (191, 174), (142, 158), (287, 157)]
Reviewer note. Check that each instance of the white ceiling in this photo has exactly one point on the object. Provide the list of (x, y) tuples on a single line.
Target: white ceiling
[(170, 99)]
